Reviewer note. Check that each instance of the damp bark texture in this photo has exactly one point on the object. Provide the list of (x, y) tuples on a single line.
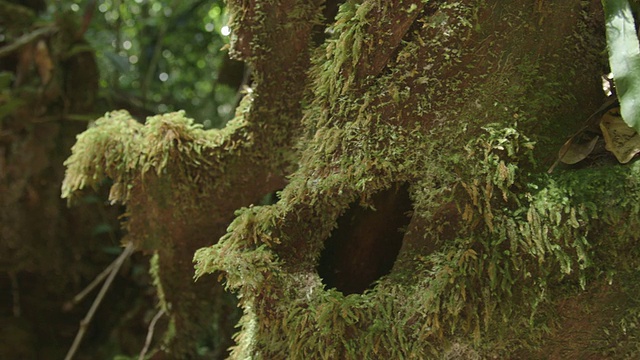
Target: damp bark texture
[(417, 219)]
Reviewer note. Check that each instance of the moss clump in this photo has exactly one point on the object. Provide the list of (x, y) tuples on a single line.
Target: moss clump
[(120, 148)]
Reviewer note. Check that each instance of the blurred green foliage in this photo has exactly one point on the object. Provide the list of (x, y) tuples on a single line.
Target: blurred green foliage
[(157, 56)]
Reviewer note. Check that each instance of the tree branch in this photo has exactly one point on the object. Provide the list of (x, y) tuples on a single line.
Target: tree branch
[(84, 323)]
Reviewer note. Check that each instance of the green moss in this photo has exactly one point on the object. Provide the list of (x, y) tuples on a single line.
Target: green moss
[(181, 183), (464, 140), (154, 271), (120, 148), (496, 274), (156, 169)]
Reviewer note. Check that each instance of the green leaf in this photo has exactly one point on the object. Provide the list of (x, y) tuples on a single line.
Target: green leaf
[(624, 58)]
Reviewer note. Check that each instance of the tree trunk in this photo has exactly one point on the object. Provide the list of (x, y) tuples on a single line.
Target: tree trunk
[(182, 184), (419, 220)]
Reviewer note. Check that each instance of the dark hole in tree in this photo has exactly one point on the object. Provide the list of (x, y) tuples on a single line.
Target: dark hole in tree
[(366, 243)]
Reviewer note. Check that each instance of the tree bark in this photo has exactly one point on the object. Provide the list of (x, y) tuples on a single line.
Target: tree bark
[(423, 131), (182, 184), (461, 104)]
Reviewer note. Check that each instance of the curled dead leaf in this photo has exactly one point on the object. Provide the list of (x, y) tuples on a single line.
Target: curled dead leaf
[(622, 140), (576, 149), (582, 143)]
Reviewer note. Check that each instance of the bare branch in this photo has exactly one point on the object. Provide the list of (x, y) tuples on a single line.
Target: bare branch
[(152, 326), (84, 323), (76, 299), (26, 39)]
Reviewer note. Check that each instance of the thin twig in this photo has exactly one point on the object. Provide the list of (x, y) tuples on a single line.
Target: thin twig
[(84, 323), (152, 326), (76, 299), (25, 39)]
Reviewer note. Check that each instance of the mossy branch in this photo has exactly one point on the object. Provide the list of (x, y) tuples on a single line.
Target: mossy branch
[(120, 148)]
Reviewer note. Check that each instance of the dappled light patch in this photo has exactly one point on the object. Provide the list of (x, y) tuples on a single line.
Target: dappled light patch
[(366, 242)]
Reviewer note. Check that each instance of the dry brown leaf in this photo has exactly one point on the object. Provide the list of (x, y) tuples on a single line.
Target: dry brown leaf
[(622, 140), (574, 151), (569, 153)]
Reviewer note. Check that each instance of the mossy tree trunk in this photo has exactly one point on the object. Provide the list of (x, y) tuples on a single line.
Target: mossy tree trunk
[(182, 184), (418, 219)]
